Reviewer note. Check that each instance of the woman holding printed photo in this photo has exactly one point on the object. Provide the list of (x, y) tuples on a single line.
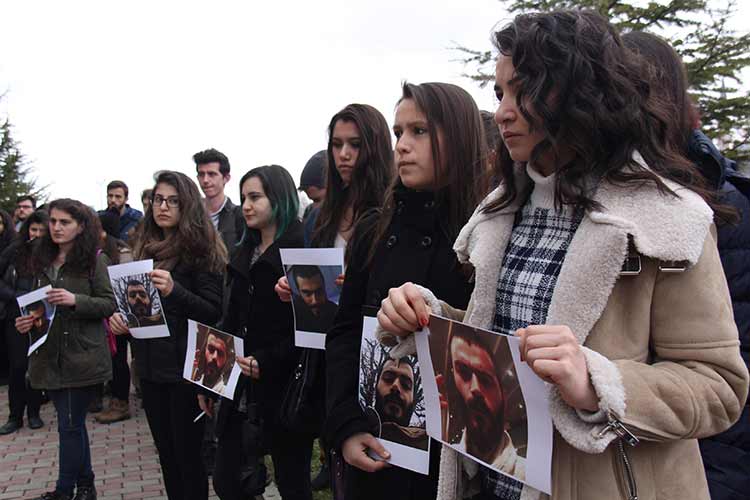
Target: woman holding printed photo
[(269, 205), (360, 150), (627, 316), (440, 156), (189, 260), (75, 358)]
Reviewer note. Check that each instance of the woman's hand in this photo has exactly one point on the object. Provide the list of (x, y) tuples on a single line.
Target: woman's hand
[(404, 311), (355, 449), (206, 404), (340, 280), (283, 290), (118, 325), (555, 355), (24, 323), (249, 366), (61, 297), (162, 280)]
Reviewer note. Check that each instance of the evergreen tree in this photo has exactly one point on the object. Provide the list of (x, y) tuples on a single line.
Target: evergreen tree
[(713, 53), (15, 172)]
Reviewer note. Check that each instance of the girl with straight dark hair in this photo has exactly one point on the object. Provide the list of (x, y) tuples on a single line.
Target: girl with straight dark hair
[(270, 205), (360, 169), (16, 279), (189, 260), (7, 230), (598, 251), (441, 162), (74, 359)]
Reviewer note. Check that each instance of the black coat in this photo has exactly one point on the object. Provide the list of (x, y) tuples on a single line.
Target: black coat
[(726, 456), (415, 249), (12, 283), (265, 322), (196, 295)]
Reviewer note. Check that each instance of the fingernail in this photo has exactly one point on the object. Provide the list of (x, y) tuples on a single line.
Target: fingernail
[(424, 321)]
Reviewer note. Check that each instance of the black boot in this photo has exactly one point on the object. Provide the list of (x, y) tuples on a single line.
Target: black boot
[(35, 422), (11, 426), (85, 493)]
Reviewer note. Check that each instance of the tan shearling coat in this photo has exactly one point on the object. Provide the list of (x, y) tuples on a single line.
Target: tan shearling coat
[(661, 347)]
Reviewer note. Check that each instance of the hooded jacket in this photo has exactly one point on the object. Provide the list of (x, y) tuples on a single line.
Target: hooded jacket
[(661, 347)]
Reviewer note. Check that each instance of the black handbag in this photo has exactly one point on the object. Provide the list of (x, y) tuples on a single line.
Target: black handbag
[(301, 407)]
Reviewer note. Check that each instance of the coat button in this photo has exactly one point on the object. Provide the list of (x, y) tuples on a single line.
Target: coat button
[(426, 242), (430, 204), (391, 241)]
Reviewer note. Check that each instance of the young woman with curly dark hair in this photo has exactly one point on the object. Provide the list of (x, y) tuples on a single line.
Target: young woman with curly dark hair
[(598, 250), (74, 359), (189, 260)]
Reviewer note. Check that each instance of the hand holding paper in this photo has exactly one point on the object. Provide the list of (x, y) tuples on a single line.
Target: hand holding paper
[(249, 366), (404, 311), (24, 323), (162, 281), (355, 448), (61, 297), (553, 353), (283, 290), (118, 325)]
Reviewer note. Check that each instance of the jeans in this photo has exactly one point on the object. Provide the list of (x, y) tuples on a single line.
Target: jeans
[(75, 453), (170, 410)]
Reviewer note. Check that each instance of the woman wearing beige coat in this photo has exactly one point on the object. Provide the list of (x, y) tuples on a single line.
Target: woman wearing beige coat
[(600, 253)]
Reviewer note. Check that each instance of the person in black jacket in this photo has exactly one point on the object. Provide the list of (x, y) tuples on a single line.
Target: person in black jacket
[(440, 155), (269, 205), (16, 279), (189, 258), (726, 456)]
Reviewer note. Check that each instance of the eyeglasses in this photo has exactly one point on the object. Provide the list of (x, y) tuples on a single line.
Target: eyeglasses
[(172, 201)]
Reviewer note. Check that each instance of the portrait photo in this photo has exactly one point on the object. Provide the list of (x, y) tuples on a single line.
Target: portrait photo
[(211, 359), (478, 398), (35, 304), (312, 274), (391, 395), (138, 300)]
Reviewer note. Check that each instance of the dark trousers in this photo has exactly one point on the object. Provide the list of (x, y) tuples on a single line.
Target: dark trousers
[(170, 410), (20, 395), (120, 370), (291, 453), (75, 453)]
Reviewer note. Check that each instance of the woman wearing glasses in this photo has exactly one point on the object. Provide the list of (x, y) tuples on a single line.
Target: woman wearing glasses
[(189, 259)]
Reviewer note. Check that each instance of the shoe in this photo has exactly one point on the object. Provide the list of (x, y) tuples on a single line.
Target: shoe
[(96, 405), (118, 410), (322, 480), (85, 493), (54, 495), (10, 427), (35, 422)]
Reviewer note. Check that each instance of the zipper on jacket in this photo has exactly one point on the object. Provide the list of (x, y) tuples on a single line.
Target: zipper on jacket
[(70, 409), (618, 428), (628, 470)]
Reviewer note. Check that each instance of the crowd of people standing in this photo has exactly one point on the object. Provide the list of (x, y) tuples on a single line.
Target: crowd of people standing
[(531, 224)]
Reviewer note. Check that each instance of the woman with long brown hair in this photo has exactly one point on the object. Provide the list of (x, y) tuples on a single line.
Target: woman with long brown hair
[(189, 260), (75, 358), (441, 162)]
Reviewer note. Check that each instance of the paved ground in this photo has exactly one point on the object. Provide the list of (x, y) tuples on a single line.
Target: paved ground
[(123, 456)]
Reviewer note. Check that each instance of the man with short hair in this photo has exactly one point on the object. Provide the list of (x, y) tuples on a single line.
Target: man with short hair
[(213, 364), (117, 199), (25, 206), (212, 169), (313, 179), (139, 304), (395, 402), (476, 400), (313, 311)]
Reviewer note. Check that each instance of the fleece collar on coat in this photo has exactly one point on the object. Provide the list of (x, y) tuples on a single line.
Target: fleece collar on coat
[(663, 227)]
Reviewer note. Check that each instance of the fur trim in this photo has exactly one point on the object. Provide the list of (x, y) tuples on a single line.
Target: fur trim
[(406, 346)]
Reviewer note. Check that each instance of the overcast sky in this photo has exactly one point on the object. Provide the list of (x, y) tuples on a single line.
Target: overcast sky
[(98, 91)]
